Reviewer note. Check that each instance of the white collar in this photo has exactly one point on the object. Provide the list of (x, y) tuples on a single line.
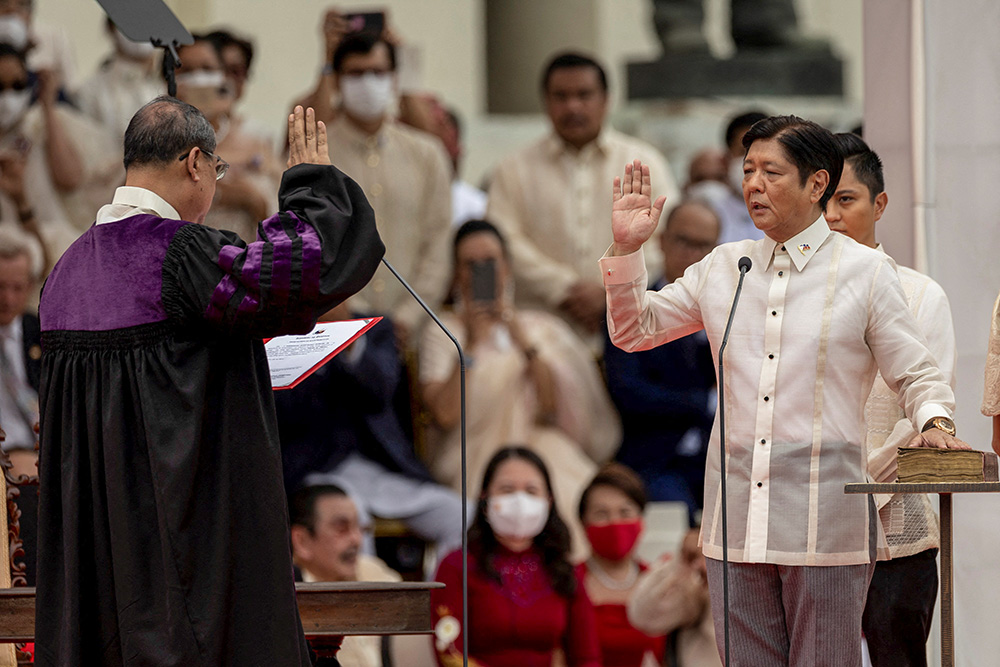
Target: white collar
[(130, 200), (803, 245)]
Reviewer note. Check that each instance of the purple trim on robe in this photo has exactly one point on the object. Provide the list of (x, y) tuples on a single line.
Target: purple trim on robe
[(248, 306), (312, 260), (110, 277), (228, 255), (281, 268), (216, 310), (272, 228), (252, 264)]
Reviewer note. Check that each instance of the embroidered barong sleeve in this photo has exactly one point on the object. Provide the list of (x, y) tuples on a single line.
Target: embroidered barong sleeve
[(901, 352), (930, 307), (991, 379), (639, 319), (318, 250)]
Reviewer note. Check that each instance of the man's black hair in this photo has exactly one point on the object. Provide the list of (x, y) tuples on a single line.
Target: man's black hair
[(571, 60), (865, 162), (302, 504), (361, 42), (740, 122), (808, 145), (8, 50), (220, 39), (163, 130)]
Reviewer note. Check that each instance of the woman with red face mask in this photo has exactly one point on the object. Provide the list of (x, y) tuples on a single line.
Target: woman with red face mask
[(611, 512)]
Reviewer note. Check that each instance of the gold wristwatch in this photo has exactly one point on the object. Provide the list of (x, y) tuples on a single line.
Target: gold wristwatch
[(940, 423)]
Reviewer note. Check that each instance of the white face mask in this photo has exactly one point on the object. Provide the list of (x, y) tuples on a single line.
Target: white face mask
[(134, 50), (711, 191), (202, 78), (517, 515), (207, 90), (367, 96), (14, 31), (13, 105)]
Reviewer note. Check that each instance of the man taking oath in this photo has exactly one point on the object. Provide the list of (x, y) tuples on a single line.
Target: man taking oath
[(163, 530), (819, 316)]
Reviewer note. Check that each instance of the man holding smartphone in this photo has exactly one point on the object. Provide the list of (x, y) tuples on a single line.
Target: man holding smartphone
[(405, 174)]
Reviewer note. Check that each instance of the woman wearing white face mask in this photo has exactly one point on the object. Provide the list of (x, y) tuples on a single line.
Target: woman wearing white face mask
[(249, 192), (525, 606)]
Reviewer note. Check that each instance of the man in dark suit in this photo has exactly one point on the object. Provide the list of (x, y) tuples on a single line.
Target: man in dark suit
[(340, 426), (20, 365), (666, 395), (20, 353)]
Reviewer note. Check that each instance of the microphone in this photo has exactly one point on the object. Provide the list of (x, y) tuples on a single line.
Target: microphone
[(744, 266), (465, 491)]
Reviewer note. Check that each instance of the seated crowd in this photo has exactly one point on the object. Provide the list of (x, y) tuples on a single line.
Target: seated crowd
[(568, 437)]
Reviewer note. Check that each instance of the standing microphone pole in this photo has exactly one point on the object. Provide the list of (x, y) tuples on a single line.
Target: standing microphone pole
[(744, 265), (465, 493)]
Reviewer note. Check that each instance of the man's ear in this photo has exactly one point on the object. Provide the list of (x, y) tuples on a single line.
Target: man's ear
[(819, 181), (301, 542), (880, 203), (191, 163)]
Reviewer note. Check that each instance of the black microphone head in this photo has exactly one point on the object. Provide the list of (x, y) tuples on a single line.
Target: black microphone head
[(745, 264)]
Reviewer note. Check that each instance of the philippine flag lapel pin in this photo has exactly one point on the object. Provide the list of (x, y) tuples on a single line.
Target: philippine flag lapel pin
[(804, 248)]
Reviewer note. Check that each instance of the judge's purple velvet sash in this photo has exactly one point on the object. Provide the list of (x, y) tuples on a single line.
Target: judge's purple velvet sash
[(110, 278)]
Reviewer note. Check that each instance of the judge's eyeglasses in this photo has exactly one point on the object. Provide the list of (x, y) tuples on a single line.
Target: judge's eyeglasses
[(221, 166)]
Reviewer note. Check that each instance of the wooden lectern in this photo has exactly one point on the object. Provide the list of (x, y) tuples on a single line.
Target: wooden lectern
[(944, 491), (329, 611)]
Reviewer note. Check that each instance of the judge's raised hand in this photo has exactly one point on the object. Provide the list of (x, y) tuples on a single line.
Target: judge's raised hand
[(633, 216), (306, 138)]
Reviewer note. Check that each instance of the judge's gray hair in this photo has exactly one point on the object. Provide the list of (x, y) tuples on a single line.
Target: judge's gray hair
[(163, 130)]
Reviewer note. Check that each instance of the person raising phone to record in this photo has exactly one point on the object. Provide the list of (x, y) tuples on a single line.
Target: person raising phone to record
[(530, 379)]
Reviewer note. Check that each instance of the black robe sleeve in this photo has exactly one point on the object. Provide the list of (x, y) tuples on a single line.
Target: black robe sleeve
[(321, 248)]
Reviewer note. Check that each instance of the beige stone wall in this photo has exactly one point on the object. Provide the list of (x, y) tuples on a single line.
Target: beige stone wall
[(452, 37)]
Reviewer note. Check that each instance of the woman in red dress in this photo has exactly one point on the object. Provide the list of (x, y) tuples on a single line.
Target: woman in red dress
[(525, 604), (611, 511)]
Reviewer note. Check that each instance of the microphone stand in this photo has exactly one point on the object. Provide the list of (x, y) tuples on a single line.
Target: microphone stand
[(744, 265), (465, 493)]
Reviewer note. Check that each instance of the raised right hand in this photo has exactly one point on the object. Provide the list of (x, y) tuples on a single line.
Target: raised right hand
[(306, 138), (633, 219)]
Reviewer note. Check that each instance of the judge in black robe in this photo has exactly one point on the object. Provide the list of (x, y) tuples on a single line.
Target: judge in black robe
[(163, 536)]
